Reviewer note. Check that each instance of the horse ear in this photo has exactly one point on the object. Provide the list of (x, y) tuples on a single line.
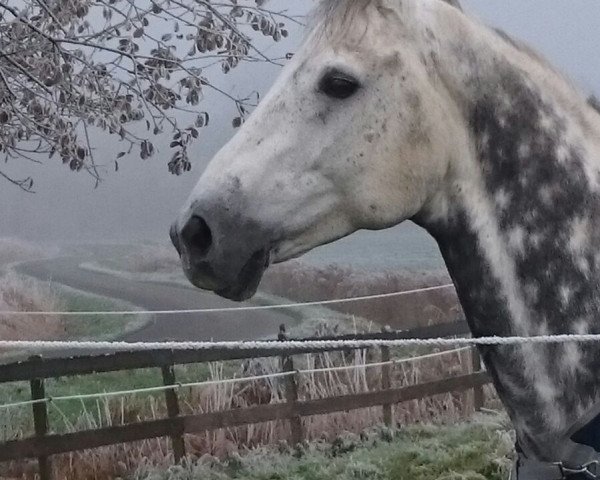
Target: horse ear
[(454, 3)]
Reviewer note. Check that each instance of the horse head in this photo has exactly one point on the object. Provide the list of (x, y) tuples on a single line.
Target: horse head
[(353, 135)]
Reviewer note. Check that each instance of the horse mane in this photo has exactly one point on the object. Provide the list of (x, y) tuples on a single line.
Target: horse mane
[(594, 102), (521, 46), (342, 12), (455, 3)]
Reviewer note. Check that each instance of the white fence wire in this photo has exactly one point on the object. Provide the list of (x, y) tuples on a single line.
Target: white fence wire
[(245, 308), (50, 345), (315, 345), (269, 376)]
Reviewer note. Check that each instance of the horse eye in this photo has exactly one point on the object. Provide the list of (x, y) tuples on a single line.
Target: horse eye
[(338, 85)]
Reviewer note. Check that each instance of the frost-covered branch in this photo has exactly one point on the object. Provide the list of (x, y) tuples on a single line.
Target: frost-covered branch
[(70, 68)]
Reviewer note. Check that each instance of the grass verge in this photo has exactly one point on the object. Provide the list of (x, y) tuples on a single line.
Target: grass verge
[(18, 292), (96, 327), (471, 451), (90, 413)]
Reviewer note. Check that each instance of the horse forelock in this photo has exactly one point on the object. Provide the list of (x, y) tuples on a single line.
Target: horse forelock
[(337, 15), (341, 14)]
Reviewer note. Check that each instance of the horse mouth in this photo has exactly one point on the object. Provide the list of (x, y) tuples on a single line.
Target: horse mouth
[(248, 279)]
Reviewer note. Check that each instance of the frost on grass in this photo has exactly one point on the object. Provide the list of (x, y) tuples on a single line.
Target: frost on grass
[(18, 293), (152, 259), (333, 435), (478, 451)]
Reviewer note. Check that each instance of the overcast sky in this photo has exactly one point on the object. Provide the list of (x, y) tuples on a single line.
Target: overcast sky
[(141, 200)]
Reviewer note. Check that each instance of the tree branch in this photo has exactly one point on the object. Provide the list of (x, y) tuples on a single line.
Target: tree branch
[(25, 184)]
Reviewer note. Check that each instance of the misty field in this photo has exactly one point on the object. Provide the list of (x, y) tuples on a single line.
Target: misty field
[(343, 445), (301, 282), (22, 293)]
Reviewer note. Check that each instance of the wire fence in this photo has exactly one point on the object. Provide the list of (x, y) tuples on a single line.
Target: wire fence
[(226, 381), (160, 388), (141, 346), (463, 344), (241, 349), (291, 408)]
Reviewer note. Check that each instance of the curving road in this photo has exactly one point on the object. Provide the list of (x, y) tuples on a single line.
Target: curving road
[(163, 296)]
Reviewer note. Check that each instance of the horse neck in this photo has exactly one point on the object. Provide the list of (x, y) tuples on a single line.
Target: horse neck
[(520, 231)]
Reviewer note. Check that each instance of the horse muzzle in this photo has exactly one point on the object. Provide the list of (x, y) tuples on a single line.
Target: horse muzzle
[(221, 251)]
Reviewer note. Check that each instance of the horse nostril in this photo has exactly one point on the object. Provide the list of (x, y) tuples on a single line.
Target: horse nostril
[(197, 235)]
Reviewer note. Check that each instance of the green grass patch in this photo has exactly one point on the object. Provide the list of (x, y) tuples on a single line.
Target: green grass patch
[(67, 415), (464, 452), (96, 327)]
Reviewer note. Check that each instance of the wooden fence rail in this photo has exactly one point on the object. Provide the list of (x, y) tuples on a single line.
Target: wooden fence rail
[(43, 445)]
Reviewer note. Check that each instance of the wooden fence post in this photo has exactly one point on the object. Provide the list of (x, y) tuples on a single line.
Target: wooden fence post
[(478, 397), (386, 382), (291, 396), (291, 391), (40, 423), (177, 441)]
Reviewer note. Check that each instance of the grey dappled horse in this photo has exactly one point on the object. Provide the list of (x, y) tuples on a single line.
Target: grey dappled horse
[(409, 109)]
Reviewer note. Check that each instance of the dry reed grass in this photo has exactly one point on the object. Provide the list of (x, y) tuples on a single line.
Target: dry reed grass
[(303, 282), (152, 259), (19, 293), (118, 461)]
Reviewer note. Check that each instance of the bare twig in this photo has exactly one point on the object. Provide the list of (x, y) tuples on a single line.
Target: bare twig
[(25, 184)]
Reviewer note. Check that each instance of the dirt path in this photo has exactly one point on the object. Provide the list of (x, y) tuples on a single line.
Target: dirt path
[(159, 296)]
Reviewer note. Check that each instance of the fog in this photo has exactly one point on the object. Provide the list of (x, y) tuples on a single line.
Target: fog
[(140, 201)]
